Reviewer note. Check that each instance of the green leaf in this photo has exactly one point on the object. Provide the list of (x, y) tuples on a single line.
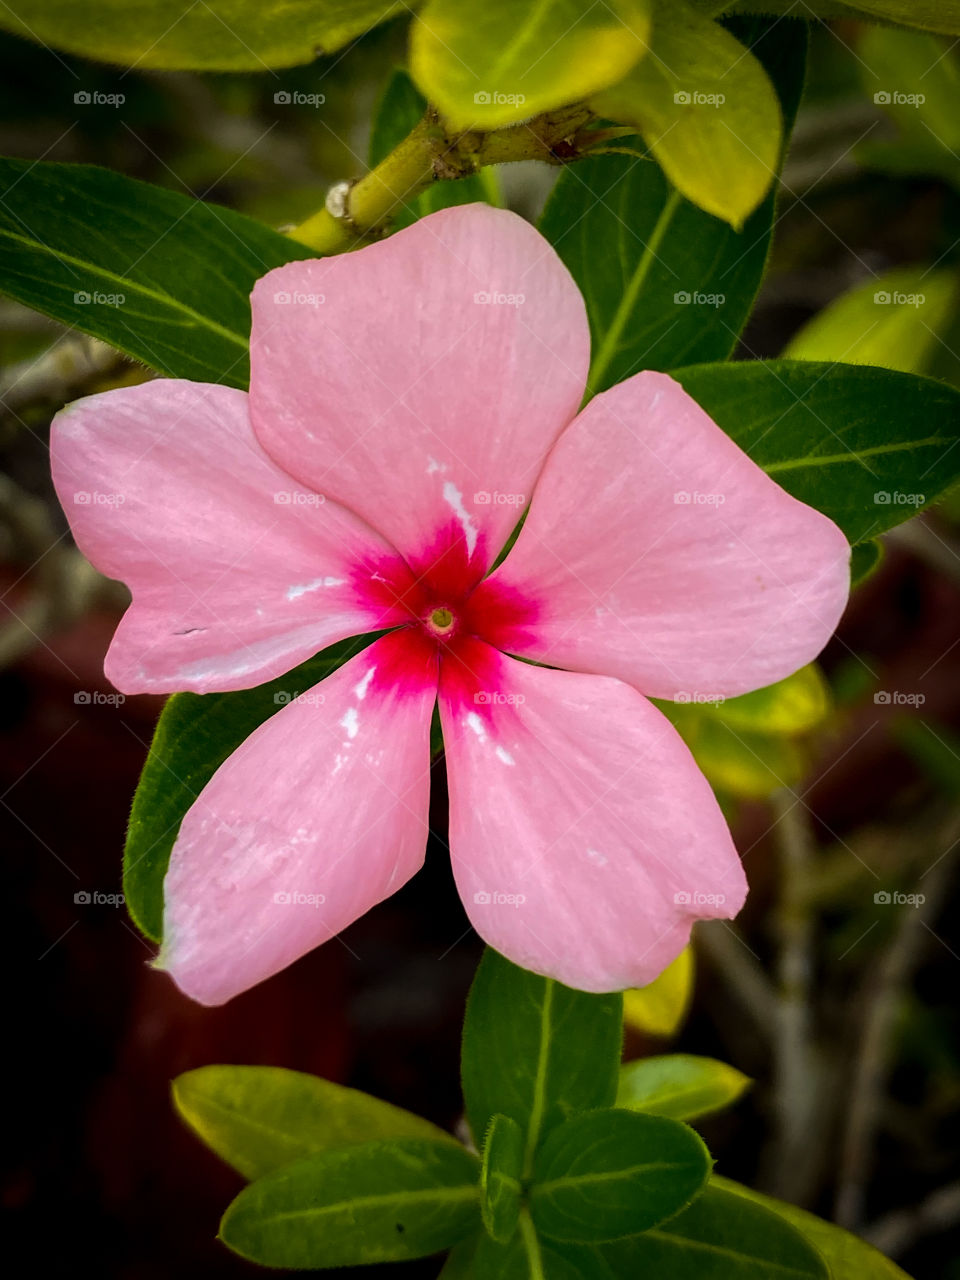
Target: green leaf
[(895, 320), (849, 1257), (194, 735), (659, 1008), (865, 560), (378, 1202), (868, 447), (914, 78), (259, 1119), (672, 285), (501, 1190), (527, 1257), (680, 1086), (796, 704), (233, 35), (931, 15), (613, 1173), (488, 63), (161, 276), (706, 109), (719, 1237), (401, 108), (536, 1051)]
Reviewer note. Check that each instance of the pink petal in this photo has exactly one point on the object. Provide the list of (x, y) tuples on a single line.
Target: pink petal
[(658, 552), (319, 815), (397, 393), (237, 573), (584, 839)]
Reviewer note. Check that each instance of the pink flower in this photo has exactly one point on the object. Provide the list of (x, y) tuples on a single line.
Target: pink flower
[(406, 404)]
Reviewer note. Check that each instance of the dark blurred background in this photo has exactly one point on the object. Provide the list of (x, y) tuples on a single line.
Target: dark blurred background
[(100, 1174)]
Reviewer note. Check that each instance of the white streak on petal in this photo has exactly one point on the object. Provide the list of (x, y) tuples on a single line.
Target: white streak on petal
[(361, 689), (295, 592), (350, 722), (454, 498), (474, 722)]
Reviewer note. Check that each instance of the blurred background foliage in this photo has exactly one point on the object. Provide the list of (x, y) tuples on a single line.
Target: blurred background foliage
[(841, 783)]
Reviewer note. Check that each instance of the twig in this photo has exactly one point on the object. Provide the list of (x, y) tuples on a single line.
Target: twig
[(895, 1233), (885, 985)]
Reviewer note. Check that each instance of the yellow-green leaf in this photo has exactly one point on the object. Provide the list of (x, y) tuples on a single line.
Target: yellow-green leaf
[(740, 761), (794, 705), (895, 320), (706, 109), (488, 63), (232, 35), (660, 1007), (681, 1086)]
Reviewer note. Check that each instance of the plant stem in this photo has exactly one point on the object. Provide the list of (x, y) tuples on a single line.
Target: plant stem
[(796, 1074), (362, 210)]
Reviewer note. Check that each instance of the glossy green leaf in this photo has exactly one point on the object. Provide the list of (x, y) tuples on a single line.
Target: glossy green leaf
[(849, 1257), (680, 1086), (259, 1119), (665, 284), (796, 704), (377, 1202), (721, 1236), (488, 63), (158, 275), (195, 734), (536, 1051), (232, 35), (868, 447), (896, 320), (501, 1189), (659, 1008), (606, 1174), (401, 108), (706, 109)]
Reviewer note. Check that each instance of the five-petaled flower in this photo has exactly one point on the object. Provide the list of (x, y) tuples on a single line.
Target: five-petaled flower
[(393, 432)]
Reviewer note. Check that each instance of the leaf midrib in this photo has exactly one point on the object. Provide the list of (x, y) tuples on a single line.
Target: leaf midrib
[(686, 1242), (853, 455), (608, 1175), (162, 298), (468, 1191)]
